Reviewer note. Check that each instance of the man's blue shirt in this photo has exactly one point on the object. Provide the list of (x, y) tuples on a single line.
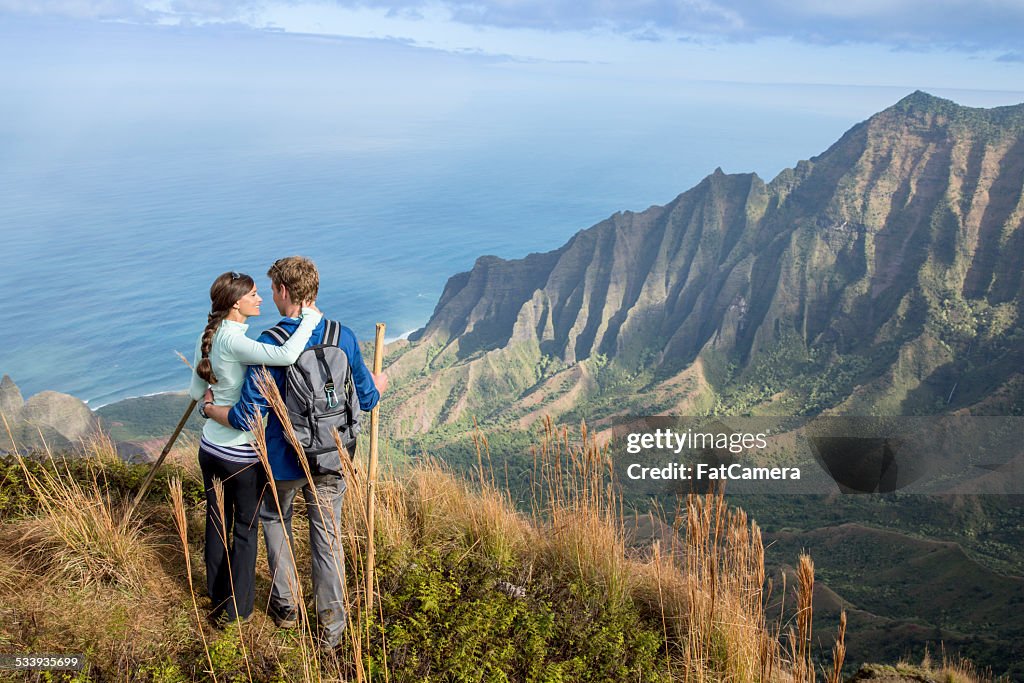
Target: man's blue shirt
[(282, 456)]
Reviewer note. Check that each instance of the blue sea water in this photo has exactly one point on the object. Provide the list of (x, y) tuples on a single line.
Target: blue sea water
[(123, 193)]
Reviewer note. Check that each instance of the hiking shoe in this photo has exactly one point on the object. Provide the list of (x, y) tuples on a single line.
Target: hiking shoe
[(285, 618)]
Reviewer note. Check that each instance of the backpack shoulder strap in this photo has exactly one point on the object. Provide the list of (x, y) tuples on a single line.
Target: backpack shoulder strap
[(278, 334), (332, 333)]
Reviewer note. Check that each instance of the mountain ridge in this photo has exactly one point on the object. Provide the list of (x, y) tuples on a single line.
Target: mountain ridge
[(872, 252)]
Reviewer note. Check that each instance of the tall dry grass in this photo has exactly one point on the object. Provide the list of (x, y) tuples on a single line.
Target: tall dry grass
[(704, 586), (800, 639), (950, 669), (838, 652), (79, 575), (82, 535)]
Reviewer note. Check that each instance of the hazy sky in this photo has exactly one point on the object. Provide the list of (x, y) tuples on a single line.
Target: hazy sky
[(929, 44)]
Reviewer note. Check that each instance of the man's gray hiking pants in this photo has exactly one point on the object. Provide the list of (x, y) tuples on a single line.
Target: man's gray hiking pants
[(325, 544)]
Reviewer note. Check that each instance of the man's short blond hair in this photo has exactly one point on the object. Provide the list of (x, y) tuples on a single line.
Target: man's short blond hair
[(298, 275)]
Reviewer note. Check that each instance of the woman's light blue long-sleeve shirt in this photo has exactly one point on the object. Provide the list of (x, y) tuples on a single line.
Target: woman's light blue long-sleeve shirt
[(231, 355)]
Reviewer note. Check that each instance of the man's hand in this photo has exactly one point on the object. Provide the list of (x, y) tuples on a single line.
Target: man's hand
[(215, 413), (380, 380), (219, 414)]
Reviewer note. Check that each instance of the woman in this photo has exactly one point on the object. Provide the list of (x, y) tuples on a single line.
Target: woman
[(223, 353)]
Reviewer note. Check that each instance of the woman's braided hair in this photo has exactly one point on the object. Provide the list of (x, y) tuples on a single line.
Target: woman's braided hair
[(225, 291)]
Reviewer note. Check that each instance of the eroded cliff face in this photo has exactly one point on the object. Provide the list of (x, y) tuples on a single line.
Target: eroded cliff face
[(897, 255)]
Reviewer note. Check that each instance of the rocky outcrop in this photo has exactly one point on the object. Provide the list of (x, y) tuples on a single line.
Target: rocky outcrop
[(10, 397), (57, 419), (899, 253), (69, 416)]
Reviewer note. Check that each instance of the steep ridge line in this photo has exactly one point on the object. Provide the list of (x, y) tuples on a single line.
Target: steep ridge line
[(899, 239)]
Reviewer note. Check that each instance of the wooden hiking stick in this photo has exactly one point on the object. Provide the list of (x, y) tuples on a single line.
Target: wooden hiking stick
[(371, 475), (159, 461)]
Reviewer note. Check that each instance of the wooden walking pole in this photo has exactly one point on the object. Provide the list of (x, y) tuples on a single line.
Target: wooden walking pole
[(371, 476), (159, 461)]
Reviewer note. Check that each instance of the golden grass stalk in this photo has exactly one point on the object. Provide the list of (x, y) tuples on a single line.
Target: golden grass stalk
[(183, 456), (656, 553), (839, 652), (803, 667), (268, 388), (99, 448), (10, 434), (958, 670), (357, 620), (181, 524)]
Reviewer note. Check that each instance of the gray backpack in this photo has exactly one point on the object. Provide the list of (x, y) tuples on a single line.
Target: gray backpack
[(321, 399)]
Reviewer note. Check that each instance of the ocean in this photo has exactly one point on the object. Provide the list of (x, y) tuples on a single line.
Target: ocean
[(118, 208)]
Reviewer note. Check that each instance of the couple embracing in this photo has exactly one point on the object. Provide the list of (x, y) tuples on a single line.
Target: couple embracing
[(226, 379)]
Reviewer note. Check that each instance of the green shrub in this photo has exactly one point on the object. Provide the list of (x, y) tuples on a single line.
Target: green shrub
[(446, 618)]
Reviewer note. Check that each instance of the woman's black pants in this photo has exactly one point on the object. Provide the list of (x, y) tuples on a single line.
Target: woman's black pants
[(232, 539)]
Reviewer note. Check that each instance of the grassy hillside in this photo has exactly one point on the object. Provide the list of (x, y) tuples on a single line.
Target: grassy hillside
[(470, 588)]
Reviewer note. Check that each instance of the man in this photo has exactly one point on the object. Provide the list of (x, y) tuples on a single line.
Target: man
[(293, 280)]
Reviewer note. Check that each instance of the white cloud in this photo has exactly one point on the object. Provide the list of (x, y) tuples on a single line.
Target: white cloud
[(78, 9), (965, 25)]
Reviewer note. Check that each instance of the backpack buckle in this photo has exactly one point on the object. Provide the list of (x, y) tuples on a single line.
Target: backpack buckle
[(332, 395)]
